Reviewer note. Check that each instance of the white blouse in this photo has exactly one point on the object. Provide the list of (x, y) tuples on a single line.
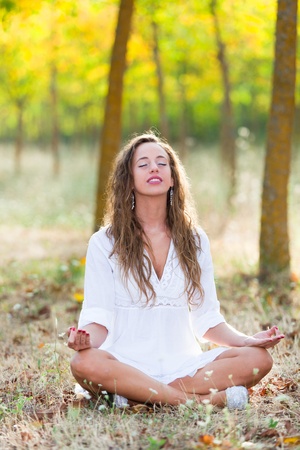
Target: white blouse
[(161, 338)]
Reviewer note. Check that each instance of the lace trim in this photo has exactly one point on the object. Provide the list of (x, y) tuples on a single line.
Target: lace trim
[(180, 302), (163, 283), (160, 286)]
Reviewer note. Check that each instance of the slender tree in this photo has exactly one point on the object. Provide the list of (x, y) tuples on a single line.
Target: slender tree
[(55, 124), (227, 126), (274, 237), (112, 125), (53, 85), (183, 121), (164, 128), (19, 140)]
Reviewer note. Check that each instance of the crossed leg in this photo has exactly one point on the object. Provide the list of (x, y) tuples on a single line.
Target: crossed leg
[(243, 366), (97, 370)]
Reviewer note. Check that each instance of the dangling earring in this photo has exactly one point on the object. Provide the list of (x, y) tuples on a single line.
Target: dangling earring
[(132, 201), (171, 195)]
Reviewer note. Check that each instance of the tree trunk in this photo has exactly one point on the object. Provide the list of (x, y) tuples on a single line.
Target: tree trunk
[(274, 237), (164, 128), (112, 126), (183, 150), (227, 128), (54, 136)]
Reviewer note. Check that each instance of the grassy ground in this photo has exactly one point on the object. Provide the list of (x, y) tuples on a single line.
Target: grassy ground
[(45, 226)]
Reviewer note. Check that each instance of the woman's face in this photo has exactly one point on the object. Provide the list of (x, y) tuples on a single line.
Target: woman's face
[(151, 170)]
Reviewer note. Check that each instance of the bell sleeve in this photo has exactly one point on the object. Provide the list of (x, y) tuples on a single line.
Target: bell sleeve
[(99, 286), (206, 315)]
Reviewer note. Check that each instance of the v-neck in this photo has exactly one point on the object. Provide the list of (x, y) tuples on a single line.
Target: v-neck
[(154, 273)]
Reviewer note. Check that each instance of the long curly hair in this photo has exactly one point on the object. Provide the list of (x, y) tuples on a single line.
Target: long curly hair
[(128, 236)]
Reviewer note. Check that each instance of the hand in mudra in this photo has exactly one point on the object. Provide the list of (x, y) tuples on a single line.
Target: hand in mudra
[(266, 339), (78, 339)]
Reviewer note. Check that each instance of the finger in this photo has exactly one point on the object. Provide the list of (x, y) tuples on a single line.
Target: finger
[(275, 330), (70, 330), (83, 337), (78, 337), (278, 337), (279, 334), (271, 331), (275, 340), (72, 335)]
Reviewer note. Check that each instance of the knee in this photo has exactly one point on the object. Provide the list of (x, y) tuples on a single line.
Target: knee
[(268, 361), (264, 361), (88, 365), (81, 364), (76, 365)]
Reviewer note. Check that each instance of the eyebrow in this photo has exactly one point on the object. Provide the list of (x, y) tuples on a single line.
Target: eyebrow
[(146, 157)]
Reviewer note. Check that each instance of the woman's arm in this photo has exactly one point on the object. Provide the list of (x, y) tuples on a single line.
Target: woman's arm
[(92, 335), (224, 334)]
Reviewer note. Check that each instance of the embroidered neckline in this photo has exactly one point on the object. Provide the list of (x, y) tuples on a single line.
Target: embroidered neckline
[(162, 282)]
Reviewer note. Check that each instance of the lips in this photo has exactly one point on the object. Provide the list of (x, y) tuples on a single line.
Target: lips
[(154, 180)]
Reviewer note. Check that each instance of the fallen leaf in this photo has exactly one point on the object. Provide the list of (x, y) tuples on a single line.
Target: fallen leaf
[(250, 434), (140, 409), (277, 385), (207, 439), (26, 436), (271, 432), (289, 426), (289, 440), (73, 309)]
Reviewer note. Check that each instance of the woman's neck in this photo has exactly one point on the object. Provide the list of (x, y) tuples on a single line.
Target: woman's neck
[(152, 215)]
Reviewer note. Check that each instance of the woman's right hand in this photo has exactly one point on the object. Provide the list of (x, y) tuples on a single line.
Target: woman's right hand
[(78, 339)]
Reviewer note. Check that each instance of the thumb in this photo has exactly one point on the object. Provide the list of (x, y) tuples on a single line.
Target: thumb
[(70, 329)]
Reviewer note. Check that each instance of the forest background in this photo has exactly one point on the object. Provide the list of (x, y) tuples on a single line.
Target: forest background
[(66, 45), (55, 63)]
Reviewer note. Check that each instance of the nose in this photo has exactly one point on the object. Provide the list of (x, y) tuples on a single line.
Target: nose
[(153, 167)]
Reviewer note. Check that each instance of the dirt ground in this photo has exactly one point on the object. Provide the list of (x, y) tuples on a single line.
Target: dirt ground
[(21, 244)]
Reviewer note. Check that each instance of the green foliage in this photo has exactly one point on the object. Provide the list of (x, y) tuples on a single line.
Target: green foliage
[(156, 444), (35, 36), (8, 5), (273, 423)]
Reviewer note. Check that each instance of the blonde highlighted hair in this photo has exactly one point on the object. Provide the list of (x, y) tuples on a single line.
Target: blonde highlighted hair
[(127, 233)]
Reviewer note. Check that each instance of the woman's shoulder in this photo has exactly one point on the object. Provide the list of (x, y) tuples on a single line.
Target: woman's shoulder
[(204, 239), (101, 239), (199, 231)]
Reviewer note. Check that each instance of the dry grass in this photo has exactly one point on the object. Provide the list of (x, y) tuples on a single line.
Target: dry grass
[(41, 271), (39, 409)]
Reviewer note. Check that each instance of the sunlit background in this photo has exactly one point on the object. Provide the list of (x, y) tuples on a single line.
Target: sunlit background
[(55, 58)]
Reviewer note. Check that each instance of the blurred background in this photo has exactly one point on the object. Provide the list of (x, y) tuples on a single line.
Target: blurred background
[(198, 73)]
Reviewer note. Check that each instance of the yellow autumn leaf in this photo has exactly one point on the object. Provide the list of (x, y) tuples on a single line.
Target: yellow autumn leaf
[(290, 440)]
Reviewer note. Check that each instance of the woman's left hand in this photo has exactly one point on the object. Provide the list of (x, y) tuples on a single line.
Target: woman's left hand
[(266, 339)]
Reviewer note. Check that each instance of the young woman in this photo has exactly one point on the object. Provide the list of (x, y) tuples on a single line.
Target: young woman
[(150, 296)]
